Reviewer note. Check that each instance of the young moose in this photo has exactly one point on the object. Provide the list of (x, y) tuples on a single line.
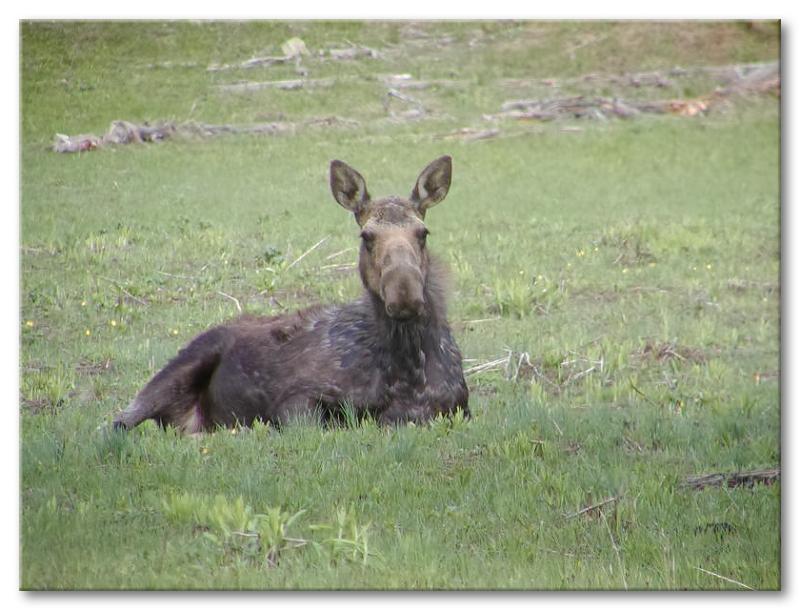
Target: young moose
[(389, 354)]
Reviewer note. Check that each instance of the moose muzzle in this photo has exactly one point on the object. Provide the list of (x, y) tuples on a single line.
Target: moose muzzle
[(401, 291)]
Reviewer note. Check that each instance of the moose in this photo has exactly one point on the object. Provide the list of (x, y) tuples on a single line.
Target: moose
[(389, 354)]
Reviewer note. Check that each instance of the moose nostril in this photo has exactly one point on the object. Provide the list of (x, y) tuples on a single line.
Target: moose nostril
[(405, 311), (399, 312)]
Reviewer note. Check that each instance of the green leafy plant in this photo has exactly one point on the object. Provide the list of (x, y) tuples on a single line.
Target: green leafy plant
[(235, 526), (350, 539)]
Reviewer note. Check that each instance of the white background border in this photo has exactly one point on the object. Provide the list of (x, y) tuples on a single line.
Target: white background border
[(399, 9)]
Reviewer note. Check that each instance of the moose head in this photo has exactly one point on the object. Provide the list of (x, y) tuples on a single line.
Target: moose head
[(393, 259)]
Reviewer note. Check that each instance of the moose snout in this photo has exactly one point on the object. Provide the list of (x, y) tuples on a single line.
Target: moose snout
[(401, 290), (405, 311)]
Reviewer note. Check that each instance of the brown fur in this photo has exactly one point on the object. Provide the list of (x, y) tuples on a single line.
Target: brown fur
[(389, 354)]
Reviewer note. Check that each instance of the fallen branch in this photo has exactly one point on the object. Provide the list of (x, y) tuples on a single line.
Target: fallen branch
[(172, 64), (587, 509), (404, 98), (205, 130), (293, 50), (488, 366), (354, 52), (602, 108), (120, 132), (481, 320), (286, 85), (254, 62), (330, 121), (729, 74), (406, 81), (767, 476), (125, 132), (741, 80), (467, 134)]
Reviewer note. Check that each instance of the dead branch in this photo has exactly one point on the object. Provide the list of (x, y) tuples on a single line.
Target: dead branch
[(730, 74), (172, 64), (286, 85), (330, 121), (406, 81), (749, 478), (254, 62), (488, 366), (481, 320), (191, 128), (467, 134), (293, 50), (354, 52), (740, 80), (120, 132), (592, 507), (124, 132), (405, 98)]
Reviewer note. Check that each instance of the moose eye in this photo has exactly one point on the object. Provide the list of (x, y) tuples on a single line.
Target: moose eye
[(422, 234), (368, 238)]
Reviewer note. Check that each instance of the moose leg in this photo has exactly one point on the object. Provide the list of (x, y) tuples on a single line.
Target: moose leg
[(174, 395)]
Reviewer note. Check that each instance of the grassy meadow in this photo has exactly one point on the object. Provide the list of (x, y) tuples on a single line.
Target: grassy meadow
[(615, 293)]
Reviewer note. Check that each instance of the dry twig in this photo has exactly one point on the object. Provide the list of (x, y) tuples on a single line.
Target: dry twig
[(234, 299), (121, 289), (488, 366), (725, 578), (307, 252), (592, 507)]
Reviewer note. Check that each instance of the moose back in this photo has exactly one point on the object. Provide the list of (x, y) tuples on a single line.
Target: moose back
[(389, 354)]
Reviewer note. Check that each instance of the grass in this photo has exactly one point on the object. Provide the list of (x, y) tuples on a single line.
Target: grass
[(626, 273)]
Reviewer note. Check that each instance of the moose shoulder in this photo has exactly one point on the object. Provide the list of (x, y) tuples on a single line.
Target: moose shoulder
[(389, 354)]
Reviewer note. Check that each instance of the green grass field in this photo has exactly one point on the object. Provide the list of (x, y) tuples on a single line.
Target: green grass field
[(622, 274)]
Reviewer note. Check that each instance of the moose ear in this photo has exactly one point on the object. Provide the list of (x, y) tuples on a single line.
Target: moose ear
[(349, 187), (432, 184)]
